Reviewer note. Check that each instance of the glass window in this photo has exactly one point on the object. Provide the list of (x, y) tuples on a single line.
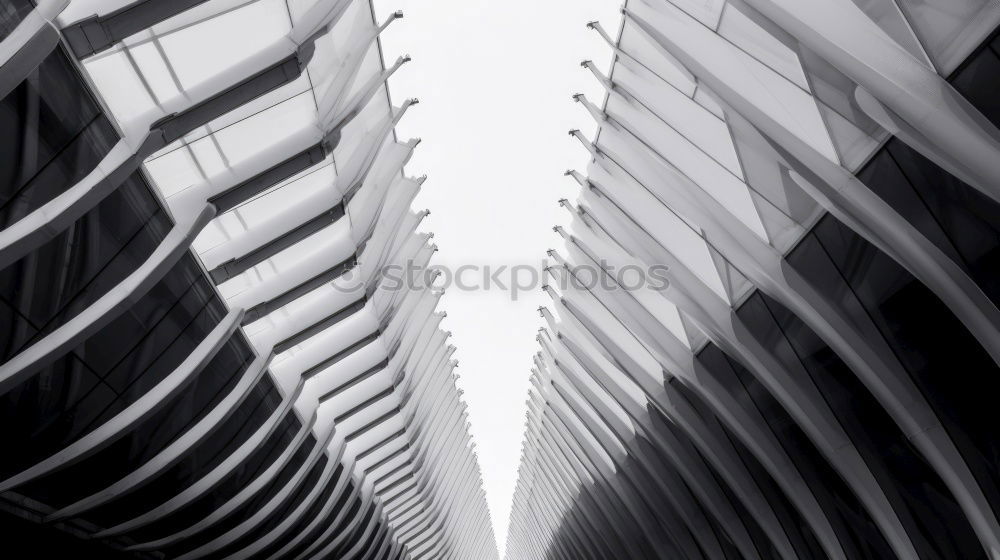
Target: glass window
[(927, 509), (678, 440), (375, 534), (884, 177), (14, 328), (358, 531), (13, 12), (52, 134), (954, 373), (186, 325), (858, 534), (979, 80), (325, 524), (83, 263), (78, 394), (970, 220), (352, 515), (114, 342), (149, 436), (795, 528), (48, 408), (281, 513), (250, 507), (309, 516), (48, 541), (200, 460), (258, 460)]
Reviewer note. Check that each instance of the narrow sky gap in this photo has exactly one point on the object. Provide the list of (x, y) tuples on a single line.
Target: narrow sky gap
[(495, 81)]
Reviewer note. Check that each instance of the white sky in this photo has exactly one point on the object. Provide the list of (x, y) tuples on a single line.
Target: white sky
[(494, 79)]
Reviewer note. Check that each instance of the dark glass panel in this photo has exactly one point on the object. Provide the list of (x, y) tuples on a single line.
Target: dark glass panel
[(925, 506), (115, 341), (259, 460), (70, 166), (169, 343), (309, 516), (969, 218), (376, 534), (252, 506), (325, 524), (378, 537), (144, 441), (60, 425), (887, 180), (52, 133), (44, 410), (199, 461), (66, 275), (797, 530), (791, 523), (912, 485), (14, 329), (859, 535), (13, 12), (663, 467), (650, 502), (952, 370), (279, 514), (979, 82), (67, 407), (357, 532), (346, 522), (41, 541)]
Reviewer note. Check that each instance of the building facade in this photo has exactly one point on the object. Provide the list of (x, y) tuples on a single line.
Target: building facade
[(816, 377), (200, 356)]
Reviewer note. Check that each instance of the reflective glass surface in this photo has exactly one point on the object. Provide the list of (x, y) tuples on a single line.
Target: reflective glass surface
[(52, 134), (12, 12)]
